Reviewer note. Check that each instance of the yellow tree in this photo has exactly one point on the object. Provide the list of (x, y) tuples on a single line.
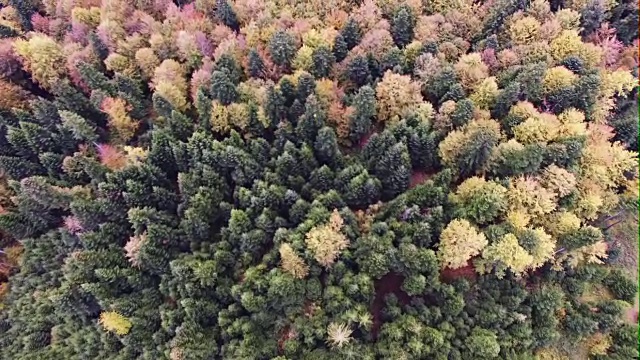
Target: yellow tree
[(396, 94), (169, 82), (292, 262), (114, 322), (120, 123), (524, 31), (505, 254), (326, 241), (41, 56), (528, 195), (459, 242), (471, 70)]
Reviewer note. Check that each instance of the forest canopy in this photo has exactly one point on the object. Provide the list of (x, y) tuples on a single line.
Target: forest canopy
[(323, 179)]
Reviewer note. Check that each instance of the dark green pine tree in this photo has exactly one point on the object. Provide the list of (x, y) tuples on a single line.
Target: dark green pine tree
[(306, 86), (226, 14), (18, 167), (358, 187), (463, 113), (392, 60), (289, 91), (455, 93), (202, 104), (574, 63), (98, 46), (320, 182), (323, 60), (423, 149), (625, 122), (162, 106), (311, 121), (222, 88), (394, 170), (351, 33), (25, 10), (591, 17), (275, 106), (340, 49), (295, 111), (80, 128), (505, 100), (530, 78), (519, 162), (364, 104), (69, 98), (7, 32), (95, 79), (440, 85), (132, 90), (624, 18), (326, 148), (255, 64), (255, 126), (358, 71), (402, 26), (282, 48), (180, 126), (38, 138), (228, 63)]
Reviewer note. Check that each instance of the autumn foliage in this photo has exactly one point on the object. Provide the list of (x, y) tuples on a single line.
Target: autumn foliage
[(337, 179)]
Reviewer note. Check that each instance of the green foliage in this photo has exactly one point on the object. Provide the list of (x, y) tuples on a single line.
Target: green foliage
[(402, 26), (222, 87), (621, 286), (282, 48), (227, 16), (255, 64), (318, 180), (323, 60)]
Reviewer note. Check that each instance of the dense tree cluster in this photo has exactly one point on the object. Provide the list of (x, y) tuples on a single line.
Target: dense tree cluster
[(279, 180)]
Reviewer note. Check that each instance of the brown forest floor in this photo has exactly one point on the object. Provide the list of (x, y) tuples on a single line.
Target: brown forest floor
[(388, 284)]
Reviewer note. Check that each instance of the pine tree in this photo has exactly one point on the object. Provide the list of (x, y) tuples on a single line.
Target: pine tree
[(255, 64), (323, 61), (326, 147), (358, 71), (24, 11), (306, 86), (81, 128), (95, 79), (233, 69), (227, 15), (180, 126), (282, 48), (463, 113), (403, 23), (350, 33), (222, 88), (365, 108), (393, 169), (591, 17), (340, 48), (275, 106), (162, 106), (313, 119), (7, 32)]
